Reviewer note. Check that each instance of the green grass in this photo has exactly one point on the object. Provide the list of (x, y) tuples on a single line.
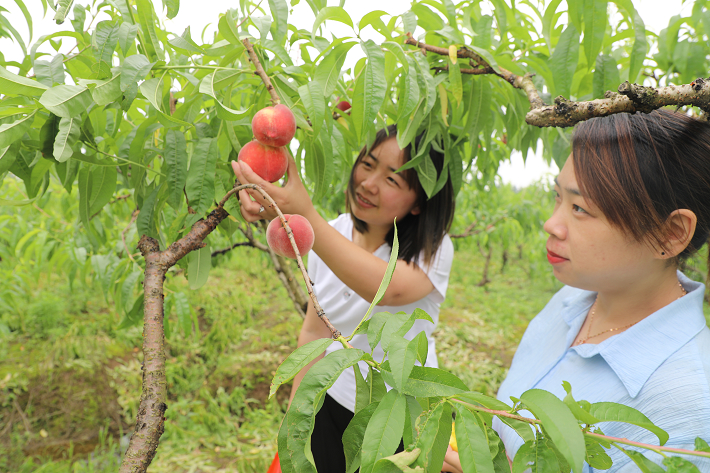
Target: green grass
[(70, 382)]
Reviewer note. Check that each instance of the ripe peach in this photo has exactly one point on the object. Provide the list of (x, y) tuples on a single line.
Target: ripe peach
[(277, 238), (274, 126), (268, 162), (343, 105)]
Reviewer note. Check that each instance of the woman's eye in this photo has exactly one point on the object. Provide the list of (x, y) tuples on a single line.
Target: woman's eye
[(366, 164), (393, 181), (577, 208)]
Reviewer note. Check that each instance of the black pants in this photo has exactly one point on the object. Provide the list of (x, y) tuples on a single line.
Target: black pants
[(327, 437)]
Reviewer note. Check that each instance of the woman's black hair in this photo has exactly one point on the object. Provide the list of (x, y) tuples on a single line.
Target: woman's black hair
[(425, 231), (639, 168)]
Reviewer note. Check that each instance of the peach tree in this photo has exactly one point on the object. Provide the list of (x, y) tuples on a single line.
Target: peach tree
[(123, 108)]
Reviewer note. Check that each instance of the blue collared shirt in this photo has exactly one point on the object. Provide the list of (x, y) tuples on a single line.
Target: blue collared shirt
[(660, 366)]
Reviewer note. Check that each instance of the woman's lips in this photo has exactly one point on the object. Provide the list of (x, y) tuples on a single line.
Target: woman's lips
[(554, 258), (364, 203)]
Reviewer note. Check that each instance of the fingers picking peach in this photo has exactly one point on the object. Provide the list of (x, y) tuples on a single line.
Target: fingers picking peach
[(274, 126), (267, 162), (277, 238)]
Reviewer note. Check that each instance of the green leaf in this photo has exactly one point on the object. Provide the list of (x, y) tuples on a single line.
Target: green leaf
[(434, 435), (362, 390), (279, 28), (186, 43), (173, 6), (581, 414), (135, 67), (679, 465), (11, 132), (398, 462), (207, 86), (68, 135), (200, 176), (396, 49), (421, 346), (175, 155), (50, 73), (66, 101), (559, 423), (564, 61), (105, 91), (313, 100), (613, 412), (63, 7), (105, 39), (149, 38), (455, 84), (126, 37), (522, 428), (427, 174), (597, 457), (103, 186), (7, 157), (298, 360), (370, 89), (227, 27), (328, 70), (472, 444), (353, 436), (402, 355), (152, 90), (700, 444), (199, 263), (300, 418), (606, 75), (391, 264), (331, 13), (384, 430), (536, 457), (595, 23), (134, 316), (645, 465), (427, 382)]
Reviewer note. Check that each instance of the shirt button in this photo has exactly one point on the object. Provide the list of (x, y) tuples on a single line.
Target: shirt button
[(346, 295)]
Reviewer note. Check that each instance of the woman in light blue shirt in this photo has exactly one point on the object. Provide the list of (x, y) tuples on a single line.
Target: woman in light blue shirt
[(632, 201)]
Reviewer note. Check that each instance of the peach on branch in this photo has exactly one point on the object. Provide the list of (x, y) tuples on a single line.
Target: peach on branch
[(277, 238), (274, 126), (343, 106), (267, 162)]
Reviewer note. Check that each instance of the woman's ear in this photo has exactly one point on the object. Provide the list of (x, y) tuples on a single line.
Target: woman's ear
[(416, 210), (680, 228)]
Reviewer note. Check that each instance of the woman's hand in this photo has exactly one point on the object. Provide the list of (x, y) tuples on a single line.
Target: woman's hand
[(292, 198), (452, 462)]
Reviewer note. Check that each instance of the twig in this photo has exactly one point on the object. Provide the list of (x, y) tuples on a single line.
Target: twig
[(607, 438), (230, 248), (261, 73), (22, 416), (249, 15), (470, 229)]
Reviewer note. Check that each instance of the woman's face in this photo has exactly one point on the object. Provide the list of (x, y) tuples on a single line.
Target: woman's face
[(380, 193), (584, 249)]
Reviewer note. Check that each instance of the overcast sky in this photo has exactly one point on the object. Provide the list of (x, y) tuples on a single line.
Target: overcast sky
[(199, 14)]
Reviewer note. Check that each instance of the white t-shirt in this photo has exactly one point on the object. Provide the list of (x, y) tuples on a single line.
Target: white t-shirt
[(345, 309)]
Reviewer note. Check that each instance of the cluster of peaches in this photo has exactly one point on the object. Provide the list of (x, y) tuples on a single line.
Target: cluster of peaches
[(267, 155)]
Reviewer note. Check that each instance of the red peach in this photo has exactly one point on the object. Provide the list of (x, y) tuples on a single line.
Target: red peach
[(274, 126), (343, 105), (268, 163), (277, 238)]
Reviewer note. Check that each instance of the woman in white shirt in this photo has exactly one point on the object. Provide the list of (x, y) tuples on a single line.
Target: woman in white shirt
[(349, 259)]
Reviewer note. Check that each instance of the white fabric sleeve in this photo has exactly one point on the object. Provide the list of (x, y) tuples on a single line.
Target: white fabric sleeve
[(439, 268)]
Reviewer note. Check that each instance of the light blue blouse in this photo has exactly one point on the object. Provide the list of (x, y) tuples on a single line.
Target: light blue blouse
[(660, 366)]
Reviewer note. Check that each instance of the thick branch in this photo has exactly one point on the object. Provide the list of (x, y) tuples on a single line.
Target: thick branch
[(631, 97), (261, 73)]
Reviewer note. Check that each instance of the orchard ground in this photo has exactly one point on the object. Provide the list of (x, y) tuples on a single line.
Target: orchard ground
[(70, 382)]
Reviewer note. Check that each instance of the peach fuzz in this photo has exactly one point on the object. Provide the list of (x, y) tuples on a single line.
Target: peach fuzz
[(277, 238), (268, 163), (274, 126)]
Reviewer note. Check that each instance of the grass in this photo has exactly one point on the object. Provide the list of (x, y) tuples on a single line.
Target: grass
[(70, 381)]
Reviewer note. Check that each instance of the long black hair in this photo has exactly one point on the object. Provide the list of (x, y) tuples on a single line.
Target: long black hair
[(425, 231)]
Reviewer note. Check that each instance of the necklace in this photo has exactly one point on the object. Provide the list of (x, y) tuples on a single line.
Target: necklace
[(591, 321)]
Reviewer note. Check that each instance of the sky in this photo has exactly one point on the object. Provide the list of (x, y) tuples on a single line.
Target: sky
[(202, 15)]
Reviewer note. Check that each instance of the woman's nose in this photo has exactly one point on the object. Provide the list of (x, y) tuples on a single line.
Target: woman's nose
[(370, 183), (555, 226)]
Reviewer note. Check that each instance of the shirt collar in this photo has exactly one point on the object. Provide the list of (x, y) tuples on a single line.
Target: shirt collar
[(652, 340)]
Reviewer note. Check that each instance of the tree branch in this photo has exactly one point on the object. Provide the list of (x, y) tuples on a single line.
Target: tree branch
[(564, 113), (275, 100)]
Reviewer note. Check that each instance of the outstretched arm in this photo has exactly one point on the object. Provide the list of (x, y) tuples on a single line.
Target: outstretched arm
[(356, 267)]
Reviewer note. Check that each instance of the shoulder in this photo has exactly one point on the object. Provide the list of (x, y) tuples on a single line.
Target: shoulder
[(343, 223), (558, 306)]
